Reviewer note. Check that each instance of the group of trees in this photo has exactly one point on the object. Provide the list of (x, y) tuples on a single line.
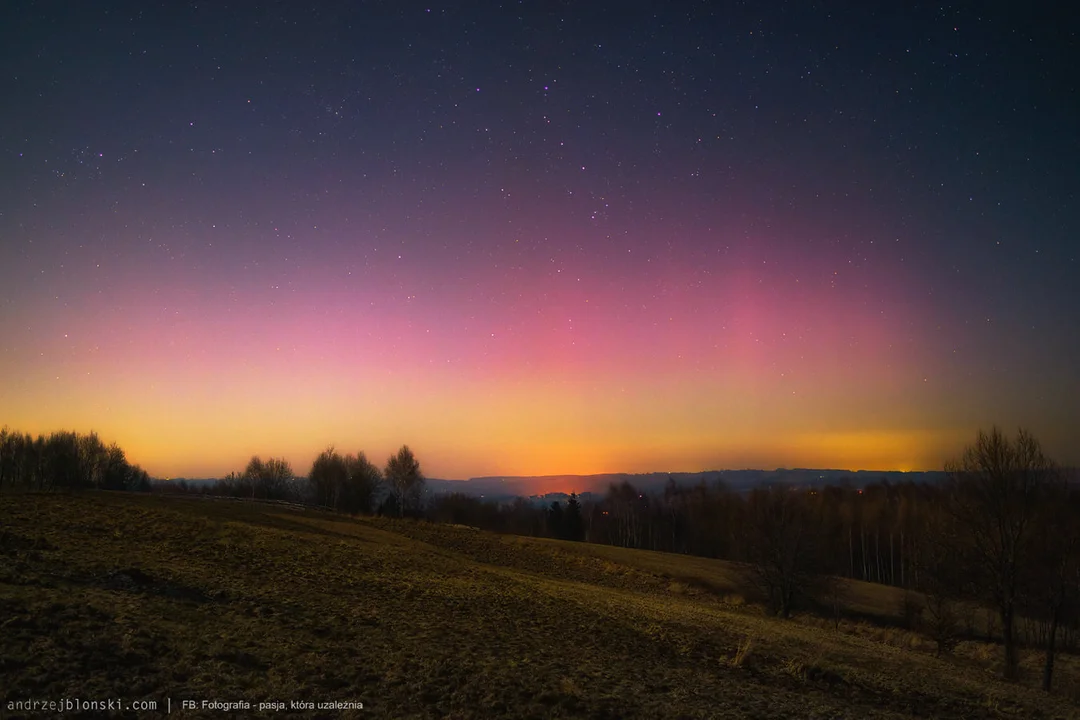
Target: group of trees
[(565, 524), (65, 460), (271, 479), (349, 483), (345, 483), (1002, 532)]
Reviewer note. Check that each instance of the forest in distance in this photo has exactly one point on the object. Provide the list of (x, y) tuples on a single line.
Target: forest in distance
[(1001, 533)]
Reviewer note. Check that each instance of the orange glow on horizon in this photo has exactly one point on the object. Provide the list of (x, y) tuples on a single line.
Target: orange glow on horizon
[(468, 428), (542, 403)]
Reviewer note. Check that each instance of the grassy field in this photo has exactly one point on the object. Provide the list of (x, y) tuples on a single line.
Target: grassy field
[(147, 597)]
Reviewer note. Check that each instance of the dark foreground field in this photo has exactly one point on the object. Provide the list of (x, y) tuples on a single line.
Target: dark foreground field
[(139, 597)]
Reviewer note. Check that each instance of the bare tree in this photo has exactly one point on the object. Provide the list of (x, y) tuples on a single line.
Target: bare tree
[(115, 472), (992, 495), (942, 578), (327, 478), (364, 481), (7, 457), (405, 480), (778, 544), (92, 455), (621, 499), (60, 456), (1055, 566), (251, 475), (268, 479)]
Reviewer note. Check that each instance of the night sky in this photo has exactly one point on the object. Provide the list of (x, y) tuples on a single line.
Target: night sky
[(540, 237)]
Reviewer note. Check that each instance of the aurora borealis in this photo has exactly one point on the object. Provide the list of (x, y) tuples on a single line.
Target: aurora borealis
[(537, 238)]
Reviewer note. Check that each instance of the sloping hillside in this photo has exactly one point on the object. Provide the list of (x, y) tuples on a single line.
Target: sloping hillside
[(172, 599)]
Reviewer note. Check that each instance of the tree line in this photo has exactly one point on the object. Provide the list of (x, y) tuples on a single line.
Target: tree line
[(1002, 533), (343, 483), (65, 460)]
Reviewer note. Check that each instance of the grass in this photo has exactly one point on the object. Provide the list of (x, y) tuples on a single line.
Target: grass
[(145, 597)]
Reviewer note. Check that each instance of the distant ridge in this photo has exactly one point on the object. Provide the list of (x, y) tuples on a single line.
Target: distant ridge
[(195, 482), (507, 487), (497, 487)]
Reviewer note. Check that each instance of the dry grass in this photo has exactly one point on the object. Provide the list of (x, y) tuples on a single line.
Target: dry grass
[(742, 652), (148, 597)]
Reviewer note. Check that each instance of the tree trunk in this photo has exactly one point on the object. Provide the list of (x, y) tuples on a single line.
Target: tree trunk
[(915, 560), (903, 582), (1007, 635), (892, 561), (877, 553), (862, 537), (851, 550), (1048, 668), (785, 602)]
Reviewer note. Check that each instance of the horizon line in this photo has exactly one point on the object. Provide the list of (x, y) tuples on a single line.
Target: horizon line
[(601, 474)]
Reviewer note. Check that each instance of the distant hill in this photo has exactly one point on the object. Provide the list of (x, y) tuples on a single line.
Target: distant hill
[(195, 482), (554, 487), (506, 487)]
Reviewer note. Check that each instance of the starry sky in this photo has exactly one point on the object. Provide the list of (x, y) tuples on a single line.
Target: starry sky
[(540, 237)]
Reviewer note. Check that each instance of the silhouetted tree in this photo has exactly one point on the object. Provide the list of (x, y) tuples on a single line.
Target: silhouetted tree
[(61, 454), (253, 475), (462, 509), (993, 492), (554, 517), (7, 457), (1055, 566), (626, 506), (327, 478), (91, 453), (573, 522), (405, 481), (116, 468), (363, 483), (779, 544), (942, 578), (674, 516), (269, 479), (65, 460), (524, 518)]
